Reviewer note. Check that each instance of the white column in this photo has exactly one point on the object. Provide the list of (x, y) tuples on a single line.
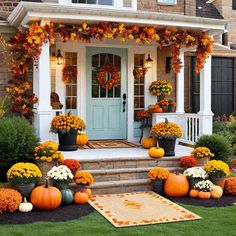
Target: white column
[(42, 89), (180, 87), (205, 112)]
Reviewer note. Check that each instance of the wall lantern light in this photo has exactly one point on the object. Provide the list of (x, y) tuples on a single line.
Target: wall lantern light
[(59, 58), (148, 62)]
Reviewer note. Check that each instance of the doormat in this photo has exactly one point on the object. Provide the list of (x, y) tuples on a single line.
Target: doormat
[(108, 144), (139, 208)]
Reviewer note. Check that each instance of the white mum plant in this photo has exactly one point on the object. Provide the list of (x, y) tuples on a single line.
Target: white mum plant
[(204, 185), (60, 173), (196, 173)]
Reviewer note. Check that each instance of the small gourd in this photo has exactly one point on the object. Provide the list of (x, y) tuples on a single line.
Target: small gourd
[(216, 192), (193, 193), (25, 206)]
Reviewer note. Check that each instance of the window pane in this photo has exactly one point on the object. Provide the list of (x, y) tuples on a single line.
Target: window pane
[(91, 1), (105, 2), (117, 91), (127, 3), (110, 93), (94, 77), (95, 91), (102, 92)]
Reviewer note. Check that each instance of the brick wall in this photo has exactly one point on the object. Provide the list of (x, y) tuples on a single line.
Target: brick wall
[(6, 7)]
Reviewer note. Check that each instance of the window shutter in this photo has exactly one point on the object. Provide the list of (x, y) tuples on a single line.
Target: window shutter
[(234, 4)]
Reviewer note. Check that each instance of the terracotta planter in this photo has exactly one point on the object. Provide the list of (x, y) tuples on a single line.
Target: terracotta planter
[(202, 161), (158, 186), (218, 181), (67, 141), (168, 145)]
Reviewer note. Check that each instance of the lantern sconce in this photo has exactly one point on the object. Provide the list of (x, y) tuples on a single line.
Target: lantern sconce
[(148, 62), (59, 57)]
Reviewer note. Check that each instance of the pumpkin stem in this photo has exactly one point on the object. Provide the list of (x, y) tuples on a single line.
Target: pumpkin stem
[(25, 201), (69, 113), (166, 120), (47, 182)]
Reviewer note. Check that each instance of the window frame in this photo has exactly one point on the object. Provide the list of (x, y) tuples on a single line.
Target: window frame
[(162, 2)]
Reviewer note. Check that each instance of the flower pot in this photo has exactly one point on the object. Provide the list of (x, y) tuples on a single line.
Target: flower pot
[(158, 186), (192, 183), (67, 141), (218, 181), (165, 109), (168, 145), (172, 109), (25, 189), (202, 161), (60, 185), (45, 167), (80, 187)]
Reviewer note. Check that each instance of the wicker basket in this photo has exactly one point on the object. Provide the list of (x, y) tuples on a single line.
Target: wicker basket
[(45, 167)]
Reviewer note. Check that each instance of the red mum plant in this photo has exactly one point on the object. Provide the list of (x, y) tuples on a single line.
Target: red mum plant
[(72, 164), (188, 162)]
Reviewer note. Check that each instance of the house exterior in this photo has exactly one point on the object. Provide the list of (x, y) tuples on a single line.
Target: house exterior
[(111, 114)]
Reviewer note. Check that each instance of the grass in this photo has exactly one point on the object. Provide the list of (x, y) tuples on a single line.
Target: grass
[(216, 221)]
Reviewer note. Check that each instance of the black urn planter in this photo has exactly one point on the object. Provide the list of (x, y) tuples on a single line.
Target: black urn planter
[(158, 186), (168, 145), (67, 141)]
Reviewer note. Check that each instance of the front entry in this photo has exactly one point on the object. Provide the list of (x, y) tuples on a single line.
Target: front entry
[(106, 108)]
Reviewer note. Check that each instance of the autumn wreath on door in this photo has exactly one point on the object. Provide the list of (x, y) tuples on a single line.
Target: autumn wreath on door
[(69, 73), (108, 70)]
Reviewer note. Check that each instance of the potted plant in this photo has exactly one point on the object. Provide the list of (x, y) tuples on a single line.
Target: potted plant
[(166, 134), (160, 88), (143, 116), (24, 177), (164, 103), (47, 156), (83, 179), (158, 175), (204, 187), (67, 127), (187, 162), (171, 106), (217, 171), (61, 176), (202, 154), (194, 175), (72, 164)]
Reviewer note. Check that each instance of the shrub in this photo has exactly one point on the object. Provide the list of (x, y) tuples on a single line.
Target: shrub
[(219, 145), (17, 142), (232, 134), (10, 200)]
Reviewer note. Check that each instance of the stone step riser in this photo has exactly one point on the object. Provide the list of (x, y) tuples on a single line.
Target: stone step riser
[(128, 164)]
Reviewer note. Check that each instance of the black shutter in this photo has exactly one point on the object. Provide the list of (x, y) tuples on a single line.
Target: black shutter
[(234, 5)]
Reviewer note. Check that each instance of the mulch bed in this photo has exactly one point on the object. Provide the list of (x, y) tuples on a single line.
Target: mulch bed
[(71, 212), (222, 202), (63, 213)]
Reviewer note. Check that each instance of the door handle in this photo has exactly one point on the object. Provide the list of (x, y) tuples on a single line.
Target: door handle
[(124, 101)]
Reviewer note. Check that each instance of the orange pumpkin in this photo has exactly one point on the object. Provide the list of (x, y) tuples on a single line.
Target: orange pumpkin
[(46, 197), (88, 191), (82, 139), (156, 152), (194, 193), (149, 142), (158, 110), (176, 185), (81, 198), (204, 195)]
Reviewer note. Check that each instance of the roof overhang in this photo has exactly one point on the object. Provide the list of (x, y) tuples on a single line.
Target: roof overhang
[(27, 12)]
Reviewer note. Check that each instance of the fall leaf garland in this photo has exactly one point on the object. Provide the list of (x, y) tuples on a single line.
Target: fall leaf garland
[(27, 45)]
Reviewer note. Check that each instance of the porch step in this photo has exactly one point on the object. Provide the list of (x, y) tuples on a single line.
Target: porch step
[(127, 162), (124, 173)]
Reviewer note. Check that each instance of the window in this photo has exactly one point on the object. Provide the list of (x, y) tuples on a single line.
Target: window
[(139, 85), (168, 1), (97, 2), (71, 86), (234, 4), (127, 3), (225, 39)]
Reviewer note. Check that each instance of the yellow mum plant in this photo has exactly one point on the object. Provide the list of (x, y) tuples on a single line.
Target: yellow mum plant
[(67, 123), (217, 169), (166, 130), (160, 88), (83, 178), (201, 152), (24, 173), (158, 173)]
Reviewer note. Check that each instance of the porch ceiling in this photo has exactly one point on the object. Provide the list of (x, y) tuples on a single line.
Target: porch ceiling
[(27, 12)]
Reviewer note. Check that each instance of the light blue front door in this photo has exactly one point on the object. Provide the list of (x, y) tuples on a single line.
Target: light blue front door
[(106, 114)]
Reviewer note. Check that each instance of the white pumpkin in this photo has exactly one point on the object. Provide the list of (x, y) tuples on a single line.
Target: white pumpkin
[(216, 192), (25, 206)]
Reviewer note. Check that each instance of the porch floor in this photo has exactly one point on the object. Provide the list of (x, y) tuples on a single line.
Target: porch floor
[(118, 153)]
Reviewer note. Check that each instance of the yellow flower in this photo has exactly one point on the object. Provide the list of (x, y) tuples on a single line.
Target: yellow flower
[(216, 167), (158, 173)]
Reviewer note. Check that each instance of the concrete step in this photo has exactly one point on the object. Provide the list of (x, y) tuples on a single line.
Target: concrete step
[(124, 173), (128, 162)]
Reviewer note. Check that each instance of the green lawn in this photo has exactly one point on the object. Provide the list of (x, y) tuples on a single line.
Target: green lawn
[(216, 221)]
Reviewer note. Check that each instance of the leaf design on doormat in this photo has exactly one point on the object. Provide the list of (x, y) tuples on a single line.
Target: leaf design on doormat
[(132, 204)]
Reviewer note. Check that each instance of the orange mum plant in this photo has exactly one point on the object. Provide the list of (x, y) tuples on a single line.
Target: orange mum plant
[(158, 173), (84, 178), (10, 200), (166, 130)]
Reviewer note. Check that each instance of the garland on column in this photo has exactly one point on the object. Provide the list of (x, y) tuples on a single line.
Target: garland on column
[(27, 45)]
